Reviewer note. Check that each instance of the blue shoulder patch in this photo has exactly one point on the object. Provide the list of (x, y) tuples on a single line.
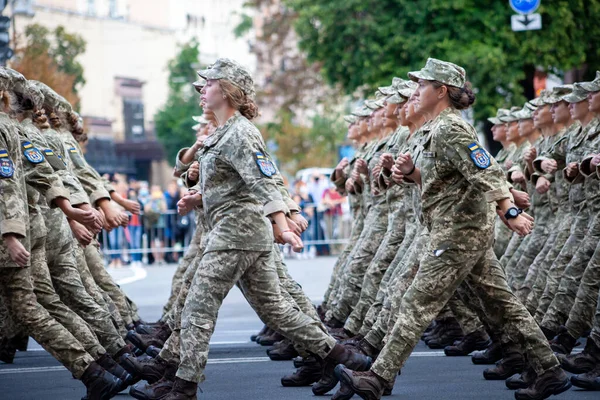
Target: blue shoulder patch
[(265, 165), (32, 154), (480, 157), (7, 168)]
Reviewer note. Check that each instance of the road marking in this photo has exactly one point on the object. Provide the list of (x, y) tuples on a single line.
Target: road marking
[(139, 273)]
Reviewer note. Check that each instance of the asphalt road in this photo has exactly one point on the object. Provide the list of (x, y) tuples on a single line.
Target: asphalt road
[(238, 369)]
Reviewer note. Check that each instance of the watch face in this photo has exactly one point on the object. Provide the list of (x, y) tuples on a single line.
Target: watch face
[(513, 212)]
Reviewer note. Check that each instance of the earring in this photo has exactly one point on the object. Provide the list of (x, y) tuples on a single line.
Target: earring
[(224, 97)]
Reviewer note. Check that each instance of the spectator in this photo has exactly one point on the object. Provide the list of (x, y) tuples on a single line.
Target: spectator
[(317, 186), (332, 204), (306, 202), (135, 229), (154, 221), (171, 198), (116, 237)]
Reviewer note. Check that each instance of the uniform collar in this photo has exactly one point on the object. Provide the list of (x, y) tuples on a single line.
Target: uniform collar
[(220, 131)]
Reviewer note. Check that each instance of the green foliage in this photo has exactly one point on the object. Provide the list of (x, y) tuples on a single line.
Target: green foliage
[(243, 27), (367, 42), (63, 47), (173, 123)]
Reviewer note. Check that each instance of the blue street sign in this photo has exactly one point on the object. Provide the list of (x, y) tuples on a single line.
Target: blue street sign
[(524, 6)]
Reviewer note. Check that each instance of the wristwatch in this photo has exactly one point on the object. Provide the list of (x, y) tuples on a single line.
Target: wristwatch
[(513, 212)]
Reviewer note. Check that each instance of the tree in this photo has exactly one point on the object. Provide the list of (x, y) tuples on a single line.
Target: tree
[(364, 43), (51, 57), (173, 123)]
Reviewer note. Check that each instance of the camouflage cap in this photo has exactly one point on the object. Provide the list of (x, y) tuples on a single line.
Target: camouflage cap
[(362, 111), (407, 88), (578, 94), (396, 99), (442, 71), (350, 119), (200, 120), (51, 98), (35, 93), (199, 84), (13, 80), (530, 106), (387, 90), (557, 93), (593, 86), (196, 127), (510, 116), (374, 104), (541, 99), (524, 113), (500, 113), (225, 68)]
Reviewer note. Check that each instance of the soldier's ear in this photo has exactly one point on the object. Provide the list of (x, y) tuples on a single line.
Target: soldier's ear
[(442, 92)]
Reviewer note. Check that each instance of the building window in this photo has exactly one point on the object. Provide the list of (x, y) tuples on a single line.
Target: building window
[(91, 7), (112, 8), (133, 114)]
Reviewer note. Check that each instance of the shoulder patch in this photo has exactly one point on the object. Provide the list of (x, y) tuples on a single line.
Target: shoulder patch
[(76, 158), (265, 165), (55, 160), (32, 154), (480, 157), (7, 168)]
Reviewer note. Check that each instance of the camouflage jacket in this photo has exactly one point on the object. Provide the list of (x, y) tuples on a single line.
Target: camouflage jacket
[(238, 189), (591, 184), (460, 181)]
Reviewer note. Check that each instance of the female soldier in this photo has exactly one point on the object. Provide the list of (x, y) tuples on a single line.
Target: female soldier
[(458, 181), (238, 192)]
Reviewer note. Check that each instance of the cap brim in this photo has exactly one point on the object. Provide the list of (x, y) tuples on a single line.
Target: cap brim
[(574, 98), (210, 73), (196, 127), (422, 74), (495, 121), (396, 99), (589, 86)]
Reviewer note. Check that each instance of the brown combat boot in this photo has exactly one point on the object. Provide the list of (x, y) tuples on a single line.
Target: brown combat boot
[(582, 362), (182, 390), (563, 343), (270, 340), (589, 381), (157, 390), (106, 362), (552, 382), (512, 363), (334, 323), (306, 375), (100, 384), (151, 369), (478, 340), (157, 339), (366, 384), (339, 355), (282, 351), (260, 333), (521, 381), (489, 356)]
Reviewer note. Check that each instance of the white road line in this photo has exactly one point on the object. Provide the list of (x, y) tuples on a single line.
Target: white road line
[(139, 273)]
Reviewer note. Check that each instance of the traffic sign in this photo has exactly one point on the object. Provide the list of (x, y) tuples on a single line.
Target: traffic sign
[(527, 22), (524, 6)]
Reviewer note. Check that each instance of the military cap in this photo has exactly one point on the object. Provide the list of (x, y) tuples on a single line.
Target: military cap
[(225, 68), (387, 90), (200, 120), (396, 99), (12, 79), (351, 119), (362, 111), (510, 116), (524, 113), (407, 88), (52, 99), (501, 112), (593, 86), (541, 99), (374, 104), (578, 94), (199, 84), (530, 106), (196, 127), (35, 94), (442, 71), (557, 93)]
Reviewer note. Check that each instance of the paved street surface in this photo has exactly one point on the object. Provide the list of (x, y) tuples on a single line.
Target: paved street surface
[(239, 369)]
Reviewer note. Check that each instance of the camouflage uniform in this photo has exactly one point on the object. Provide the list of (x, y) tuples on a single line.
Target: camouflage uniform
[(16, 286), (502, 233), (456, 192), (237, 193)]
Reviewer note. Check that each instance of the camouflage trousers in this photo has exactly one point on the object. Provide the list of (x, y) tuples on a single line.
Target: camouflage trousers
[(535, 281), (382, 260), (511, 248), (502, 235), (353, 273), (436, 281), (464, 314), (515, 277), (185, 262), (559, 309), (336, 276), (256, 273), (595, 334), (67, 282), (400, 280), (16, 290), (95, 262), (50, 300), (577, 232), (404, 251)]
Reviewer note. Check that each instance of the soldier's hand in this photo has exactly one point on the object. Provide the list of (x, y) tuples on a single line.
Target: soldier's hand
[(542, 185), (522, 225), (508, 164), (100, 221), (405, 163), (517, 176), (349, 186), (17, 252), (124, 219), (595, 161), (294, 227), (199, 141), (549, 166), (572, 170), (386, 160), (521, 199), (112, 217), (339, 169), (300, 220), (293, 240), (194, 171), (356, 176), (80, 232), (376, 171), (85, 217), (361, 166), (188, 202), (397, 175), (132, 206), (530, 155)]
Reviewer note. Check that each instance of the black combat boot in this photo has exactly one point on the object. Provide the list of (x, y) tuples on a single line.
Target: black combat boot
[(260, 333), (284, 352), (153, 351), (478, 340), (512, 363), (563, 343), (549, 333), (552, 382), (339, 355), (157, 390), (271, 339), (589, 380), (182, 390), (20, 342), (306, 375), (298, 362), (157, 339), (521, 381), (100, 384), (366, 384), (106, 362), (489, 356), (150, 370), (7, 351), (334, 323), (268, 332), (582, 362)]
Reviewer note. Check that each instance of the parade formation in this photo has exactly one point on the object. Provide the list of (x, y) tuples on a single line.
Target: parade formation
[(493, 257)]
